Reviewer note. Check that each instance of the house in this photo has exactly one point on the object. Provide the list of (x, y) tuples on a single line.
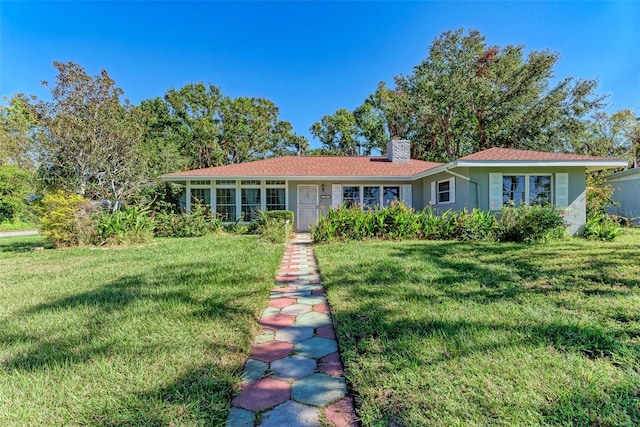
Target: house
[(310, 186), (626, 185)]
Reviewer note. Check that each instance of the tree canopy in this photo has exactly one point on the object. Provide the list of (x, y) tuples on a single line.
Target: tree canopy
[(467, 96)]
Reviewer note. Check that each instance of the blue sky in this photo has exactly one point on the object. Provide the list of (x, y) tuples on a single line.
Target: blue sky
[(310, 58)]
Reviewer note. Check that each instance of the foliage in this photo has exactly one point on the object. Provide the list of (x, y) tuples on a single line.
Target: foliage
[(467, 96), (66, 219), (128, 225), (484, 330), (197, 126), (198, 222), (601, 227), (530, 224), (16, 133), (15, 187), (275, 226), (88, 141), (150, 334), (522, 224)]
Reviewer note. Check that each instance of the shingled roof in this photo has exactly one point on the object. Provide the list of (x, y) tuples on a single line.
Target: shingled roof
[(312, 167), (509, 154)]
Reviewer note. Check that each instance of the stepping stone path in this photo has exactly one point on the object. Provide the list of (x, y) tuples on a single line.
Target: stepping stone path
[(294, 375)]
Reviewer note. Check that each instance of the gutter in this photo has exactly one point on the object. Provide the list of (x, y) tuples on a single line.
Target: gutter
[(466, 178)]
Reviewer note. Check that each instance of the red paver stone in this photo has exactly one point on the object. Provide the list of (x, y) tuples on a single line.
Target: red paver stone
[(285, 278), (319, 292), (263, 394), (340, 414), (314, 281), (281, 302), (271, 350), (331, 364), (326, 331), (321, 308), (277, 321)]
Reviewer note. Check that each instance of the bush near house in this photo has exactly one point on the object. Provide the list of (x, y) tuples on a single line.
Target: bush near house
[(274, 226), (600, 225), (396, 222), (15, 187), (129, 225), (198, 222)]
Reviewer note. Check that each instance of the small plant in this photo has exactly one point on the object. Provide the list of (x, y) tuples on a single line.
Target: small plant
[(602, 228), (67, 219), (274, 226), (130, 225), (530, 224), (199, 222)]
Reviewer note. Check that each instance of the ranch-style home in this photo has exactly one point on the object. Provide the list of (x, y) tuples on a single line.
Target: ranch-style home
[(310, 186)]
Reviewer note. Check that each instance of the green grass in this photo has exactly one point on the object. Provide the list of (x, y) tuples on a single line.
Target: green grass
[(18, 226), (154, 334), (458, 334)]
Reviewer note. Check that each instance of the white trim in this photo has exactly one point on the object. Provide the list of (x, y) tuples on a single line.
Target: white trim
[(452, 191), (527, 185), (562, 190)]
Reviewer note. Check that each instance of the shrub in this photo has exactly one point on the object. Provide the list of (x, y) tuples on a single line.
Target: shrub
[(199, 222), (601, 228), (130, 225), (530, 224), (275, 226), (67, 219), (474, 225), (15, 186)]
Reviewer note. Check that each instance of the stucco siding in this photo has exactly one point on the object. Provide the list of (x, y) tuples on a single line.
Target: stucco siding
[(627, 195)]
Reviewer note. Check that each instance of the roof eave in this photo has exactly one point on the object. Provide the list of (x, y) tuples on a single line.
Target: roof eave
[(170, 178), (589, 164)]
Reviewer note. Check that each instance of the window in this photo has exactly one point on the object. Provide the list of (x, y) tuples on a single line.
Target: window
[(539, 190), (390, 195), (250, 182), (370, 197), (200, 196), (226, 204), (513, 191), (350, 195), (275, 199), (250, 203), (201, 182), (526, 189), (444, 192), (276, 182), (226, 182)]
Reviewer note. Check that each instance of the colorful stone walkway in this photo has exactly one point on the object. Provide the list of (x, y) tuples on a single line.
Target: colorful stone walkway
[(294, 375)]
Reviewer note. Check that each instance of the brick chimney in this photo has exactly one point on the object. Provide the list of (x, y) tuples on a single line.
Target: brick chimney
[(399, 150)]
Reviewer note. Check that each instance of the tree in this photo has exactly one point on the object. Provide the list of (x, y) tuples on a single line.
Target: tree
[(16, 133), (338, 133), (88, 141), (15, 187), (201, 127), (467, 96)]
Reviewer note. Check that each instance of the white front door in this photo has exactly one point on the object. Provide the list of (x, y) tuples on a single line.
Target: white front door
[(307, 206)]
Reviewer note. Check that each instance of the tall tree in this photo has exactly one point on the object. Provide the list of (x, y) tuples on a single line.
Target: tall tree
[(16, 133), (338, 133), (201, 127), (466, 96), (89, 140)]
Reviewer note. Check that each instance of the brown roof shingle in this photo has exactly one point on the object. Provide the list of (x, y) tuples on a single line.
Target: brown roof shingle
[(509, 154), (294, 166)]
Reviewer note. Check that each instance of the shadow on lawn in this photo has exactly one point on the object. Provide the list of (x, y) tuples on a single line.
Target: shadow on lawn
[(201, 395), (485, 274)]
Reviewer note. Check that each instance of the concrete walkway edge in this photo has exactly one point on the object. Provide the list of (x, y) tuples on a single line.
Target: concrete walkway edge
[(294, 374)]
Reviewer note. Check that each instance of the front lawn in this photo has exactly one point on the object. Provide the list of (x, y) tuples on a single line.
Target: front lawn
[(147, 335), (458, 334)]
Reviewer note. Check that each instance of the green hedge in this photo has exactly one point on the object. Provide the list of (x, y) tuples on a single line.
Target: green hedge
[(522, 224)]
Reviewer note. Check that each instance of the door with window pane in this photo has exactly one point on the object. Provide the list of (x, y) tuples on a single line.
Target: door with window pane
[(307, 206)]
